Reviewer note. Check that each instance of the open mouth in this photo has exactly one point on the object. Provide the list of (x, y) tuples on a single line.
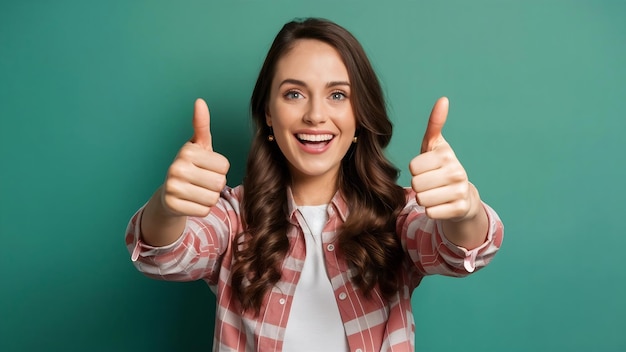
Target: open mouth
[(319, 140)]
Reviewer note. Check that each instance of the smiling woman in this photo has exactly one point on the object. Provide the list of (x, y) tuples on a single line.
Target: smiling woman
[(319, 249), (312, 119)]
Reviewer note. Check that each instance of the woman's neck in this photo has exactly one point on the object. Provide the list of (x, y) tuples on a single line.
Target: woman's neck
[(313, 190)]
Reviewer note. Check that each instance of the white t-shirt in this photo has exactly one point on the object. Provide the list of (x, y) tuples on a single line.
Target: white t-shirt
[(314, 322)]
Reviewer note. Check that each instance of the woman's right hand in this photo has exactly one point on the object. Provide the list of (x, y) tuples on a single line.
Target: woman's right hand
[(197, 174)]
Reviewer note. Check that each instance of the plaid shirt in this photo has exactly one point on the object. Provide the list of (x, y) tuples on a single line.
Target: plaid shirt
[(205, 251)]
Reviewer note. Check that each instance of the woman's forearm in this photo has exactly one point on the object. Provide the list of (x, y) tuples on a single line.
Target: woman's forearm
[(158, 227), (471, 232)]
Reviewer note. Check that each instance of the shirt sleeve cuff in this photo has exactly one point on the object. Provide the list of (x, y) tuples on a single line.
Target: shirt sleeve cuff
[(140, 248), (470, 256)]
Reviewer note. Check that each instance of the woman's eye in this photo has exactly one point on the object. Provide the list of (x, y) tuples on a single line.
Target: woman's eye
[(293, 95), (338, 96)]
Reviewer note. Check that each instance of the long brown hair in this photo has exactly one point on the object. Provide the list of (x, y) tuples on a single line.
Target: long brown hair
[(367, 180)]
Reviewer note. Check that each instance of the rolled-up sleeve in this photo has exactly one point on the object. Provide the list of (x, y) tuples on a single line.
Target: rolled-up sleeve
[(196, 253), (425, 243)]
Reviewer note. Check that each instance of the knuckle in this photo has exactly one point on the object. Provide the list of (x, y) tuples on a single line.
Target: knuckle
[(167, 200), (177, 169), (167, 186), (458, 174), (413, 166), (186, 153), (213, 198), (461, 208), (415, 185), (465, 187), (447, 155), (417, 199), (204, 211), (170, 203), (222, 182), (460, 192), (430, 213), (225, 164), (172, 187), (218, 163)]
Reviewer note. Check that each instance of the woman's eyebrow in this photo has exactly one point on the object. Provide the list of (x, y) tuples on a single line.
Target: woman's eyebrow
[(303, 84), (292, 81), (337, 83)]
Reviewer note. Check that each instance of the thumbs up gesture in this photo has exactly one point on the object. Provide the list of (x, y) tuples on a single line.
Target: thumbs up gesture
[(438, 178), (197, 174)]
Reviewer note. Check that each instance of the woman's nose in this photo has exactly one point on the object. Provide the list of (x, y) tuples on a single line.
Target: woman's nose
[(315, 112)]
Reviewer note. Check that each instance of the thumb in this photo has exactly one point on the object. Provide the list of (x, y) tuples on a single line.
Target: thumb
[(202, 125), (438, 116)]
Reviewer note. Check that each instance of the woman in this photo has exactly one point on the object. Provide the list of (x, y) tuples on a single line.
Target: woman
[(319, 249)]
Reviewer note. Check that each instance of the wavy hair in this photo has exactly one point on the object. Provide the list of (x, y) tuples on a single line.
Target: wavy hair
[(367, 181)]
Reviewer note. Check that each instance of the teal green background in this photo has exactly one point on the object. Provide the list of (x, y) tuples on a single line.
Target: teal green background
[(96, 98)]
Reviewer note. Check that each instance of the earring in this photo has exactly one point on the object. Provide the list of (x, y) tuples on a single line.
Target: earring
[(270, 137), (354, 139)]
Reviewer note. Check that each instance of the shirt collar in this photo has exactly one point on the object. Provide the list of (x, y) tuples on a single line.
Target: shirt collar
[(338, 205)]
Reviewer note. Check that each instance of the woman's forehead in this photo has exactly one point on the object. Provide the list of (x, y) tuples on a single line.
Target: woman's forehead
[(311, 60)]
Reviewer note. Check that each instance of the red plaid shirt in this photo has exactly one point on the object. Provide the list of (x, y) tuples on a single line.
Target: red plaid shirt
[(204, 251)]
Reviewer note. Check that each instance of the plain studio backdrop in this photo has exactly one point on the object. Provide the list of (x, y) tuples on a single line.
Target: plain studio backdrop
[(96, 97)]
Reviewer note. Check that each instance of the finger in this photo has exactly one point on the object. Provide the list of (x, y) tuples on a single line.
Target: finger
[(215, 162), (192, 155), (191, 193), (437, 119), (443, 195), (211, 176), (438, 178), (187, 208), (432, 161), (202, 125), (206, 179), (449, 211)]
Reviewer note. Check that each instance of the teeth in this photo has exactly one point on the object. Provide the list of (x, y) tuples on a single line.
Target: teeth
[(314, 137)]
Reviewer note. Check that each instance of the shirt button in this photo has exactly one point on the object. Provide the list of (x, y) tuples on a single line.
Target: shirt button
[(281, 301), (358, 350), (343, 296), (331, 247)]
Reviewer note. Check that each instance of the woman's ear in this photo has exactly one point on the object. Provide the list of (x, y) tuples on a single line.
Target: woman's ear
[(268, 117)]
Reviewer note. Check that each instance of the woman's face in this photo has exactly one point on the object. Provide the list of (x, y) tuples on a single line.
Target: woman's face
[(310, 112)]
